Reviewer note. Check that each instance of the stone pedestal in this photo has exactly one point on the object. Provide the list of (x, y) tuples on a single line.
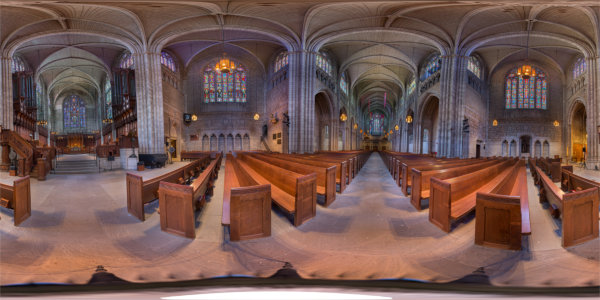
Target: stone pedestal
[(127, 162)]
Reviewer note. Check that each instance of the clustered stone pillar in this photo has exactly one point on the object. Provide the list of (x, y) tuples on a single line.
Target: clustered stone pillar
[(6, 115), (301, 103), (593, 112), (451, 109), (150, 117)]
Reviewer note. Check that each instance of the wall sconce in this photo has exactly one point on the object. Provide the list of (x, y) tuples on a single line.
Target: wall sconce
[(356, 126), (194, 118), (409, 119), (397, 127), (361, 131), (495, 123), (556, 124), (391, 131), (274, 118), (343, 117), (256, 117)]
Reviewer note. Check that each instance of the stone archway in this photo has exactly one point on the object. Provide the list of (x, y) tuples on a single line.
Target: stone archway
[(323, 123), (429, 125), (578, 132)]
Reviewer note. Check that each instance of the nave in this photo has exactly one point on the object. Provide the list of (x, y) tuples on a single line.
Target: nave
[(73, 230)]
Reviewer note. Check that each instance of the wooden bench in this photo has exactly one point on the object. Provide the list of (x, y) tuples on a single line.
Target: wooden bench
[(340, 170), (573, 182), (578, 210), (295, 193), (178, 202), (407, 170), (18, 198), (246, 204), (550, 167), (325, 176), (140, 192), (502, 215), (453, 198), (338, 159), (421, 179)]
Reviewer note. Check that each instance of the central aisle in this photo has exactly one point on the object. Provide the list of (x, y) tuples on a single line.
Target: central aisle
[(370, 231)]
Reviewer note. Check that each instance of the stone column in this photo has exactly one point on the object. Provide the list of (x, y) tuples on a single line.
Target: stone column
[(593, 111), (301, 102), (150, 116), (6, 88), (453, 80)]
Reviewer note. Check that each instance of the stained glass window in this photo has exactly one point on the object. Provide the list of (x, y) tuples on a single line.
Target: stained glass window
[(376, 124), (225, 87), (434, 65), (411, 87), (17, 65), (526, 92), (167, 60), (126, 61), (344, 84), (281, 61), (324, 64), (108, 96), (474, 66), (74, 112), (579, 68)]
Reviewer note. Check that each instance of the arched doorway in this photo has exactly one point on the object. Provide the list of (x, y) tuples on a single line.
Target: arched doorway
[(322, 123), (429, 125), (505, 148), (578, 132), (525, 145), (537, 149)]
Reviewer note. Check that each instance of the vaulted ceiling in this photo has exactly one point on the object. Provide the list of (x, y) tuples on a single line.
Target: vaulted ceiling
[(381, 45)]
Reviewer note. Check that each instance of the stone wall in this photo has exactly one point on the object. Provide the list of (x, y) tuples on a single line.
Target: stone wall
[(277, 104), (514, 123), (173, 104), (223, 119)]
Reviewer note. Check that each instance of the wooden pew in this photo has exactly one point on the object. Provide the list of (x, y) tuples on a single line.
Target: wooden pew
[(178, 202), (573, 182), (578, 210), (551, 167), (349, 163), (453, 198), (340, 171), (407, 169), (421, 179), (295, 193), (502, 216), (18, 198), (140, 192), (246, 204), (325, 176)]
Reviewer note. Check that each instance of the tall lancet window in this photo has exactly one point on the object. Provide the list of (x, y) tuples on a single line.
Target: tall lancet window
[(526, 92), (222, 87), (376, 124), (579, 68), (74, 112), (281, 62)]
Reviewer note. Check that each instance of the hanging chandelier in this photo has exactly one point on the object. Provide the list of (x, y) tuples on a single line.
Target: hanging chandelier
[(224, 65), (527, 70)]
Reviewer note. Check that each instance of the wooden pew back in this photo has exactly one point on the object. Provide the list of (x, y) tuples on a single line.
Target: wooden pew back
[(579, 210), (18, 198)]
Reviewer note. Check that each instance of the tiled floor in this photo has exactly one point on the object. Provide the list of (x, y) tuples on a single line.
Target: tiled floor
[(370, 231)]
